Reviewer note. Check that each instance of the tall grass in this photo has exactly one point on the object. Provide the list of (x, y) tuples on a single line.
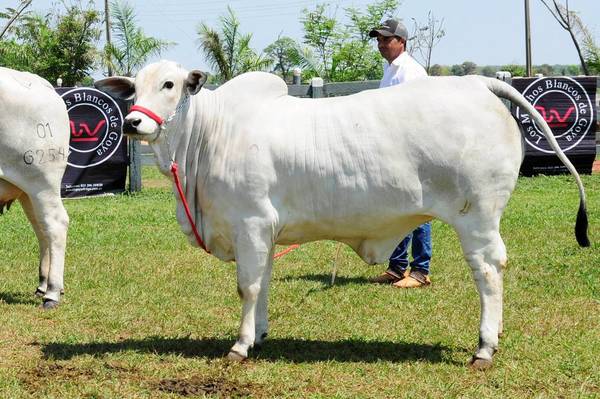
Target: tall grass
[(147, 316)]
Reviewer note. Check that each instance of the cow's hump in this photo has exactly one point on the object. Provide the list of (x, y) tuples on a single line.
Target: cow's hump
[(256, 85)]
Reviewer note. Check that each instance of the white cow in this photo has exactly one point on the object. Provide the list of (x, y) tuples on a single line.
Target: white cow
[(262, 168), (34, 145)]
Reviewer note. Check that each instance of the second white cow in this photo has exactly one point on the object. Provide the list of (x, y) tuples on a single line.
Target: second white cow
[(261, 168), (34, 146)]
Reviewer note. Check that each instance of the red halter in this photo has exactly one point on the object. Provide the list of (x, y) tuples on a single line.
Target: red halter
[(148, 113)]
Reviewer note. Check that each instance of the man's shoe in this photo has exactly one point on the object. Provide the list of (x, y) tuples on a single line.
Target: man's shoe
[(415, 279), (387, 278)]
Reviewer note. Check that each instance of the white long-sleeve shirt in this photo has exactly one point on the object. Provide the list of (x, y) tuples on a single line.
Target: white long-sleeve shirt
[(402, 69)]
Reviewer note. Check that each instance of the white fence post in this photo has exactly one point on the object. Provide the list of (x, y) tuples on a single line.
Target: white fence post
[(317, 87)]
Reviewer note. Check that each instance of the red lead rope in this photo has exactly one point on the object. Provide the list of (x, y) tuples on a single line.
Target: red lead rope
[(174, 169), (186, 207), (285, 251)]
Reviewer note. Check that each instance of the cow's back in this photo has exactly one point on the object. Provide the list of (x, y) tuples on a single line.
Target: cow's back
[(364, 162)]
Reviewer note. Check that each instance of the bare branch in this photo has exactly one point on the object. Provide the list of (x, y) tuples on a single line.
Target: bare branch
[(427, 37), (18, 12), (560, 22), (570, 22)]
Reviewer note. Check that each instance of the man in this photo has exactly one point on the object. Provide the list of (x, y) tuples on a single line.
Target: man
[(391, 42)]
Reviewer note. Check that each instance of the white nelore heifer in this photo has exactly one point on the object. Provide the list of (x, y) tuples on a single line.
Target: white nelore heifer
[(261, 168), (34, 145)]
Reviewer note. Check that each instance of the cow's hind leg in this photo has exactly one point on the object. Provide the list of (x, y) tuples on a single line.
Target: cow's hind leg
[(44, 264), (50, 222), (485, 252), (254, 252)]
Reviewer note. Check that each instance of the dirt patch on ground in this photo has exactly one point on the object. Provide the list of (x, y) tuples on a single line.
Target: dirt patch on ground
[(197, 386), (35, 379)]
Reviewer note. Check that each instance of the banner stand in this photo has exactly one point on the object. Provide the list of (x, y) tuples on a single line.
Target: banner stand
[(97, 162), (568, 105)]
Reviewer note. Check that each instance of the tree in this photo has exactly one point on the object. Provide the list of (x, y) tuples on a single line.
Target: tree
[(55, 45), (466, 68), (469, 68), (357, 58), (569, 21), (456, 70), (229, 52), (515, 70), (130, 47), (363, 22), (320, 34), (336, 52), (427, 37), (544, 69), (489, 71), (569, 70), (285, 54), (439, 70)]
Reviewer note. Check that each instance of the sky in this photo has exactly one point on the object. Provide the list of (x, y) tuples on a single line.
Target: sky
[(486, 32)]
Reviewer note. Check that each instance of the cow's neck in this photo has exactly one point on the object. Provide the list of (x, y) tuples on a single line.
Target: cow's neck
[(184, 139), (196, 143), (202, 129)]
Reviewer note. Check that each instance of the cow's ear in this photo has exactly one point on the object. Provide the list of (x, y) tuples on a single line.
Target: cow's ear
[(120, 87), (195, 81)]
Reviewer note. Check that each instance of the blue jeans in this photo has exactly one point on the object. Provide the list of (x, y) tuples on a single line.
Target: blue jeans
[(420, 249)]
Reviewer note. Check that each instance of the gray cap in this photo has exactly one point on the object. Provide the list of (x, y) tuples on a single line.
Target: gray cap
[(391, 27)]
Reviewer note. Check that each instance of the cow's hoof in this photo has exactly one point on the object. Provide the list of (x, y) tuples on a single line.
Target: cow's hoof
[(480, 364), (49, 304), (258, 343), (236, 357)]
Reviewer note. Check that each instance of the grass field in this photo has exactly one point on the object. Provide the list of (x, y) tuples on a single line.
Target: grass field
[(147, 316)]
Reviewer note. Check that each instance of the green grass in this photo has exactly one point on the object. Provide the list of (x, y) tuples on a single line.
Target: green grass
[(147, 316)]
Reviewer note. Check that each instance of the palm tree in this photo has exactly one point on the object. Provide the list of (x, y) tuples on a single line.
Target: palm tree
[(229, 52), (130, 48)]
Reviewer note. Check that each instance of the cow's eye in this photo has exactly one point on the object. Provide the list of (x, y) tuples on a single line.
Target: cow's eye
[(168, 85)]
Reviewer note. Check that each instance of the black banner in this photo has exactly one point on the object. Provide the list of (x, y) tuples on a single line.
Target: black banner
[(569, 107), (97, 162)]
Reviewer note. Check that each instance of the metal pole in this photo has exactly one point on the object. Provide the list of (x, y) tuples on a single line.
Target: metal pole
[(135, 160), (527, 40), (107, 19)]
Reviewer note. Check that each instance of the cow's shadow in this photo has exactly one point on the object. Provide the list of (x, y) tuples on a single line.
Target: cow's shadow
[(292, 350), (19, 298), (325, 279)]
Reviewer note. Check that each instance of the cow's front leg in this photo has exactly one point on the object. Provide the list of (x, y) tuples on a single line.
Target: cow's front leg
[(262, 314), (486, 255), (253, 254)]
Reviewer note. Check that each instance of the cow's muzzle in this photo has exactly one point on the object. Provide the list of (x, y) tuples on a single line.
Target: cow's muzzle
[(130, 125)]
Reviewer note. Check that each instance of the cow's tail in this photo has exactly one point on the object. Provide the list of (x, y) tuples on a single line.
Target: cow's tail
[(508, 92)]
